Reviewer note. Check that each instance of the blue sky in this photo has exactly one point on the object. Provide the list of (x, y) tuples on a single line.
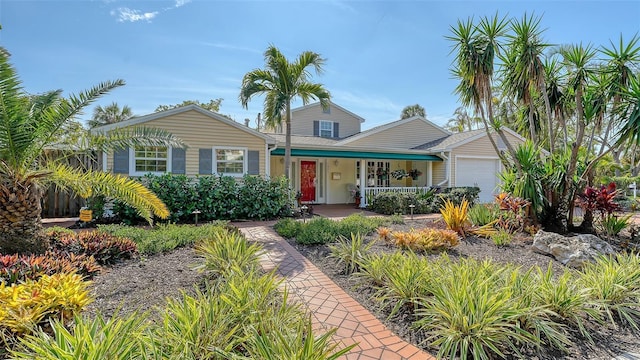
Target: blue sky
[(381, 55)]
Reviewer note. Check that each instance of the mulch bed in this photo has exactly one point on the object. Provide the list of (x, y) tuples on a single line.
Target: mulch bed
[(609, 342)]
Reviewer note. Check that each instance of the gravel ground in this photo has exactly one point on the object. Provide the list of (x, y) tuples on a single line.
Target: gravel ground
[(609, 342), (144, 284)]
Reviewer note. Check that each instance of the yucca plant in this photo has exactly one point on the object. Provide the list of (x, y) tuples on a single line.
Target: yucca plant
[(97, 338), (350, 253), (226, 250), (455, 216), (30, 126), (613, 284)]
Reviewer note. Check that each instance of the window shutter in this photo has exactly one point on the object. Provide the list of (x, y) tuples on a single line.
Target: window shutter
[(205, 163), (253, 160), (121, 161), (336, 128), (178, 159), (316, 128)]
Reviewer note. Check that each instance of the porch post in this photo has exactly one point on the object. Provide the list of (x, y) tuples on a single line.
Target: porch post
[(363, 182), (429, 173)]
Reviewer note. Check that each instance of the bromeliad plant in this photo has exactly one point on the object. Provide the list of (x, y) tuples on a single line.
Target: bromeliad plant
[(455, 216)]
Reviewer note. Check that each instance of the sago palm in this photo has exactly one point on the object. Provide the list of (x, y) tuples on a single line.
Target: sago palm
[(32, 125), (280, 82)]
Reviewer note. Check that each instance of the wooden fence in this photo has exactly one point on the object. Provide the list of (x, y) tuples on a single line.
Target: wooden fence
[(64, 203)]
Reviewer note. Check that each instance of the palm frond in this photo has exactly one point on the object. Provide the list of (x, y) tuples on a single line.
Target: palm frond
[(127, 190), (13, 111), (122, 138)]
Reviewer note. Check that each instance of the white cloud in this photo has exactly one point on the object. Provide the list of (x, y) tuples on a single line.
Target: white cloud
[(180, 3), (132, 15)]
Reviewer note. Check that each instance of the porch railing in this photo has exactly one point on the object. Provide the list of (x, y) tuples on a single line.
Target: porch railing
[(371, 192)]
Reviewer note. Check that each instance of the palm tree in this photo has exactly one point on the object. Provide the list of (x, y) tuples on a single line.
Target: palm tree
[(412, 110), (524, 74), (280, 82), (477, 46), (30, 127), (109, 114), (461, 121)]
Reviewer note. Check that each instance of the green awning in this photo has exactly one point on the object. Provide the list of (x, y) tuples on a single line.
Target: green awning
[(346, 154)]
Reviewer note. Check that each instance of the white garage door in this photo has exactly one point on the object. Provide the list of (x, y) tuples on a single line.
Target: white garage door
[(479, 172)]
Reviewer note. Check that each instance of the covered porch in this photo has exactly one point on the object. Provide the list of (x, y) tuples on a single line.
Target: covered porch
[(327, 176)]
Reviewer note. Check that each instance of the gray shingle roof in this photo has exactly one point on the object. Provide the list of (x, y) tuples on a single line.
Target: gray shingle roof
[(447, 141)]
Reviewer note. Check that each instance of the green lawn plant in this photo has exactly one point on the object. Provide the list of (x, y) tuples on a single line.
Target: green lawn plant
[(165, 237), (611, 225), (321, 230), (483, 214), (287, 228), (406, 284)]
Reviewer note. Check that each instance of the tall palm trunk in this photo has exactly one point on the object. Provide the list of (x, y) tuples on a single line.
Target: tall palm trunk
[(20, 222), (287, 143)]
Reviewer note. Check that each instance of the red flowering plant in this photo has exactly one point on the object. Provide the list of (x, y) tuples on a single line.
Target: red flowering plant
[(599, 200)]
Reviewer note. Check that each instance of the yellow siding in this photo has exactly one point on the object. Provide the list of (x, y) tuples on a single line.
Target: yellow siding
[(302, 122), (406, 136), (199, 131), (439, 169), (479, 148)]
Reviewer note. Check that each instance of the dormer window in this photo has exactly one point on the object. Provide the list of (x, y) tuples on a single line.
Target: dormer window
[(326, 129)]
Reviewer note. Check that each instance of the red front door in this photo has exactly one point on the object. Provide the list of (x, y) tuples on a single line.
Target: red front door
[(308, 180)]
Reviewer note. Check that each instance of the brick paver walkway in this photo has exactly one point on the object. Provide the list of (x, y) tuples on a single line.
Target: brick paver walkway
[(330, 306)]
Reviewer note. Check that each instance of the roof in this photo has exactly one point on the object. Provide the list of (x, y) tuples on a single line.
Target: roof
[(457, 139), (305, 139), (387, 126), (331, 105), (138, 120)]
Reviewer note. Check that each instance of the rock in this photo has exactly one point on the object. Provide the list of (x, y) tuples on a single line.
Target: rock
[(574, 251)]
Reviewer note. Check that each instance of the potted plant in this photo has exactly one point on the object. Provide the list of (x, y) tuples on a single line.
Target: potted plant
[(415, 173), (299, 198), (382, 173)]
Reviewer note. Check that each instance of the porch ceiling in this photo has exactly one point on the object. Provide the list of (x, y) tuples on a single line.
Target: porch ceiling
[(346, 154)]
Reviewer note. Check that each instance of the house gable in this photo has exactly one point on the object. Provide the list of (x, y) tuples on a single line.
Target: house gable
[(405, 133), (306, 121)]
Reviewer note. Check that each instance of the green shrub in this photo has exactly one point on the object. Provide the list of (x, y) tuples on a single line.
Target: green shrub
[(388, 203), (287, 227), (350, 253), (358, 224), (318, 230), (397, 219), (164, 237), (456, 195), (483, 214), (374, 267), (217, 198)]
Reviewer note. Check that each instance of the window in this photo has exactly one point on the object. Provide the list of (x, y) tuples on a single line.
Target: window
[(151, 159), (326, 128), (230, 161)]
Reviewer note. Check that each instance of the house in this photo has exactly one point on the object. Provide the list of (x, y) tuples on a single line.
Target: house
[(331, 155)]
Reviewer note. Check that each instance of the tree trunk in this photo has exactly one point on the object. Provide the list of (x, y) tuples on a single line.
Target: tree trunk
[(20, 222), (287, 143)]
